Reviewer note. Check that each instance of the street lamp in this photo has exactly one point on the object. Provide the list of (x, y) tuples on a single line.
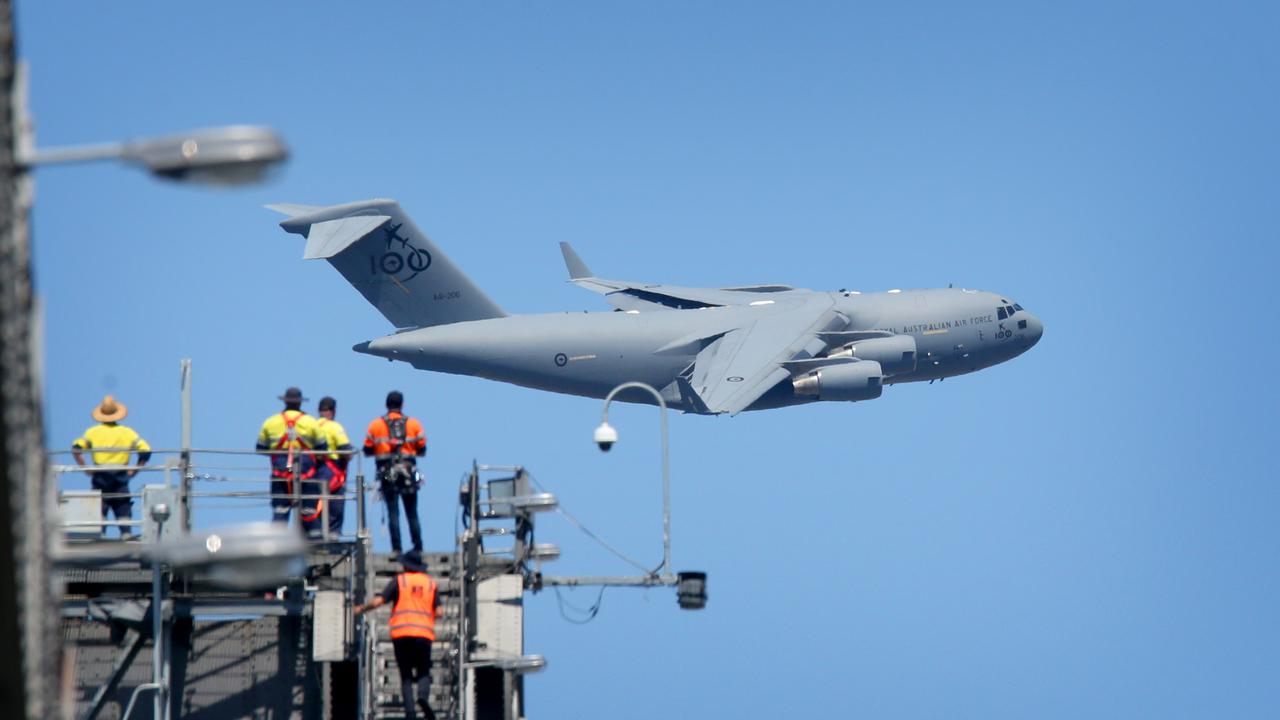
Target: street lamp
[(605, 436), (245, 557), (231, 155)]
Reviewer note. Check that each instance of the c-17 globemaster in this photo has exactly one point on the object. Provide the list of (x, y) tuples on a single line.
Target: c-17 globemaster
[(707, 350)]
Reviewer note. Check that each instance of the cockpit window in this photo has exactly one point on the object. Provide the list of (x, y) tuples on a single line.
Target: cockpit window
[(1016, 306), (1000, 313)]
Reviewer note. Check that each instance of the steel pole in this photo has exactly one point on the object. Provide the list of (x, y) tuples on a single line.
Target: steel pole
[(73, 154), (157, 642), (185, 456), (666, 467)]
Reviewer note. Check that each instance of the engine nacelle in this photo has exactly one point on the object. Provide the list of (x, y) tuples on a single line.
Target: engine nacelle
[(896, 354), (863, 380)]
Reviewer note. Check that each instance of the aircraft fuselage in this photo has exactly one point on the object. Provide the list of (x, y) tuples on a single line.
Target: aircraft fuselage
[(589, 353)]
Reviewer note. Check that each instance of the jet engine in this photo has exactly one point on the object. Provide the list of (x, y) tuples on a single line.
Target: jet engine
[(896, 354), (863, 380)]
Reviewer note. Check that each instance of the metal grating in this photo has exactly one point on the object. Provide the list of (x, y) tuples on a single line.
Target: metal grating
[(230, 669)]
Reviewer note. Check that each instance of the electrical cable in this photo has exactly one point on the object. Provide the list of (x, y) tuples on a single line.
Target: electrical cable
[(578, 524), (590, 613)]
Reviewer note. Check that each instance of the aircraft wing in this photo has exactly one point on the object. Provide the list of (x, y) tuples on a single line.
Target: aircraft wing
[(745, 363), (627, 295)]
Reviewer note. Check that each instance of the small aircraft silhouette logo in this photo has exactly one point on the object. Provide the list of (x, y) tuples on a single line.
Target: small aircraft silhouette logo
[(405, 262)]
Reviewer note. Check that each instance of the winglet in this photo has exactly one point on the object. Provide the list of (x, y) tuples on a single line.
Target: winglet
[(577, 268)]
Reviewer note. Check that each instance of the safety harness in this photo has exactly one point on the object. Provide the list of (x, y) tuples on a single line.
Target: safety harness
[(339, 477), (287, 440)]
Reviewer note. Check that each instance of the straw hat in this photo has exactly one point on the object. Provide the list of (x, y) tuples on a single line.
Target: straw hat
[(110, 410)]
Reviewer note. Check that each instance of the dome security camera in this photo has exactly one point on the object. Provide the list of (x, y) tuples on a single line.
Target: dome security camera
[(606, 436)]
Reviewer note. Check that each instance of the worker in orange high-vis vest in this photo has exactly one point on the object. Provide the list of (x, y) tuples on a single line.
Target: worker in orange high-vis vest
[(414, 605), (396, 441), (291, 436)]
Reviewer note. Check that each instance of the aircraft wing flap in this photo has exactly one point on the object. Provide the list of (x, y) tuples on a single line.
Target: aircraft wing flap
[(690, 395), (714, 356), (744, 364), (750, 392)]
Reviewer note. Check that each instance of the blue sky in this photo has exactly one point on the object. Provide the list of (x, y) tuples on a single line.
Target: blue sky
[(1088, 530)]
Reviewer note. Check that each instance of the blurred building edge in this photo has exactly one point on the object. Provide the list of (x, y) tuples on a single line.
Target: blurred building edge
[(220, 156), (28, 629)]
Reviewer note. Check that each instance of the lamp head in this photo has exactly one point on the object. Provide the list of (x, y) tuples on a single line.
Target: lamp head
[(606, 436), (234, 155)]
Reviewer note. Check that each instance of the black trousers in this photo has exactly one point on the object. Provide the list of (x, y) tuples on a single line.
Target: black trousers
[(393, 497), (282, 503), (413, 657), (325, 474), (114, 483)]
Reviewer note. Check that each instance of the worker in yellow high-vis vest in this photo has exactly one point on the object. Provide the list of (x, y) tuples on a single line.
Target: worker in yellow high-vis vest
[(292, 437), (112, 444)]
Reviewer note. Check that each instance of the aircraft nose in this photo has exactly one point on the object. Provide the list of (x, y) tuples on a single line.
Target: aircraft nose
[(1035, 329)]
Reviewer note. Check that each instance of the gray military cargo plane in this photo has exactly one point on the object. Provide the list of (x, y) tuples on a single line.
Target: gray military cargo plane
[(708, 351)]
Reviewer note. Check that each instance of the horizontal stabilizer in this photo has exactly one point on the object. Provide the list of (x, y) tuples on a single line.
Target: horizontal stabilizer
[(331, 237), (293, 209)]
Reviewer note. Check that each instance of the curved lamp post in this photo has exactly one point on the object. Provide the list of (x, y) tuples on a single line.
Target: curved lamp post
[(606, 436)]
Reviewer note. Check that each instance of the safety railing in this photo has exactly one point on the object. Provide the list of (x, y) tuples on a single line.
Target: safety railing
[(209, 486)]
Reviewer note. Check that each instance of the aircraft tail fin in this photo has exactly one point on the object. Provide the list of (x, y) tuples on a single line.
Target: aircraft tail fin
[(577, 268), (393, 264)]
